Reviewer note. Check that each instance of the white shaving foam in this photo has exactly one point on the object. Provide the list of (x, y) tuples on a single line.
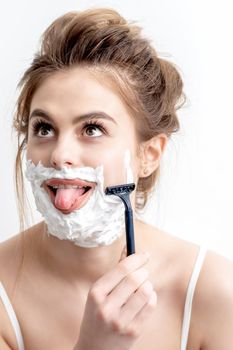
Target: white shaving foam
[(99, 222)]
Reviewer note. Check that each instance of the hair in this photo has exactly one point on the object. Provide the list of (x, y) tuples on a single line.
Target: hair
[(102, 40)]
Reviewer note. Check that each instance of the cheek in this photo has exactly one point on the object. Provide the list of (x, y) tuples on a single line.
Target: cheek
[(36, 154), (31, 153), (115, 172)]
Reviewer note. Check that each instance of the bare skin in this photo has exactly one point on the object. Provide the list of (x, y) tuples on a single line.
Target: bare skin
[(50, 307), (72, 298), (45, 300)]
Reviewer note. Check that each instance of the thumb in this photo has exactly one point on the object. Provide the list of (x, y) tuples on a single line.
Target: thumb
[(123, 253)]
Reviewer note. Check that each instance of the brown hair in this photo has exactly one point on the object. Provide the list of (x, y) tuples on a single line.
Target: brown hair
[(101, 39)]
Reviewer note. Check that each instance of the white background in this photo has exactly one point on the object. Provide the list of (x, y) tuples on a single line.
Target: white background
[(194, 198)]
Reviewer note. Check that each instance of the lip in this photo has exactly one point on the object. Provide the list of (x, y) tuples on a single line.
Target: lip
[(80, 202)]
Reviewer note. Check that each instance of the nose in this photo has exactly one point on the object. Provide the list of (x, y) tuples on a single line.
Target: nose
[(64, 154)]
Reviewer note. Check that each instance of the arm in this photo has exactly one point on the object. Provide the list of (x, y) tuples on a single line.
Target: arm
[(216, 303)]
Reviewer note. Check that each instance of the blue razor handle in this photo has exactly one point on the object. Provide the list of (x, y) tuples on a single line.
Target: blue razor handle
[(129, 231), (123, 192)]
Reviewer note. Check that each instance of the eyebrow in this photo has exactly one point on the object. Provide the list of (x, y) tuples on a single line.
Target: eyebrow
[(91, 115)]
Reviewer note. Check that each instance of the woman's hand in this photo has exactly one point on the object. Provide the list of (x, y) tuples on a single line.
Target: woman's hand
[(118, 306)]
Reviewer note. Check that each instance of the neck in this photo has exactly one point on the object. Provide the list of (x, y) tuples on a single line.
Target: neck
[(73, 263)]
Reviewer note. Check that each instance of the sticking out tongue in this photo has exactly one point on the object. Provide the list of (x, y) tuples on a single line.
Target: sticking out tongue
[(65, 198)]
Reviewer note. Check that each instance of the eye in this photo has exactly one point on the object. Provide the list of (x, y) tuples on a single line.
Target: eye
[(94, 129), (42, 129)]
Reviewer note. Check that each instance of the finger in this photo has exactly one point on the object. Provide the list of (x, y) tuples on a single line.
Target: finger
[(144, 315), (123, 253), (122, 292), (110, 280), (136, 303)]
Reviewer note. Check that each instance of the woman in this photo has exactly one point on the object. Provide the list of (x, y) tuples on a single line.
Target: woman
[(96, 109)]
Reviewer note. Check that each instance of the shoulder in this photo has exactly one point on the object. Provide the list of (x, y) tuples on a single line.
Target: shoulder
[(9, 256), (213, 302), (7, 336), (13, 247), (12, 254)]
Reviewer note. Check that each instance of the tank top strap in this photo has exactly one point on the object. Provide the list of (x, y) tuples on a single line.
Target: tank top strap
[(12, 317), (189, 296)]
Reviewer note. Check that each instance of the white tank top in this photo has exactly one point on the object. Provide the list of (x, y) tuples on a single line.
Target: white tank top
[(187, 307)]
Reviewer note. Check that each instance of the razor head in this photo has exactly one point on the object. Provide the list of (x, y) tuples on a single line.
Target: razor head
[(120, 189)]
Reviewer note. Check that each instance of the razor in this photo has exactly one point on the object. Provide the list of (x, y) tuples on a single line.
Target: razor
[(123, 192)]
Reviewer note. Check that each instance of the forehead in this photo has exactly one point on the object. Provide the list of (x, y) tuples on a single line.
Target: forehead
[(77, 91)]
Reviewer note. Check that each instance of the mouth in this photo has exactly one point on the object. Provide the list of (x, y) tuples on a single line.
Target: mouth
[(68, 195)]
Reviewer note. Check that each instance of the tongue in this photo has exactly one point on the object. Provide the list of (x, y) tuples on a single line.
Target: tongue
[(65, 198)]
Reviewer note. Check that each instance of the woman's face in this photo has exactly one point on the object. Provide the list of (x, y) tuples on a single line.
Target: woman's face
[(75, 121)]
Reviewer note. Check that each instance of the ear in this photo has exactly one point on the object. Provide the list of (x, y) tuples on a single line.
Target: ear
[(150, 154)]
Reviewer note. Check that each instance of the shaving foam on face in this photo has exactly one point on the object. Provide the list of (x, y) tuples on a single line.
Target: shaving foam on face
[(99, 222)]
